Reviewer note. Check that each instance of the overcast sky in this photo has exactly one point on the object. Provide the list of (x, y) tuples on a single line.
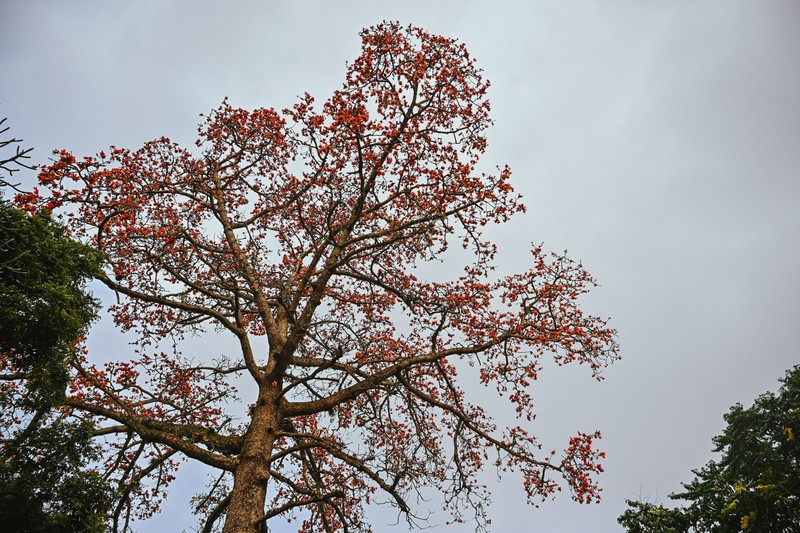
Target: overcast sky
[(657, 141)]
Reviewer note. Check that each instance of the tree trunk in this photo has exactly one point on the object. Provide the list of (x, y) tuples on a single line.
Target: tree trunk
[(246, 507)]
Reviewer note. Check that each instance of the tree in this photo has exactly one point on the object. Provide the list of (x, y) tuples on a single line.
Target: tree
[(302, 235), (45, 484), (754, 486), (44, 312)]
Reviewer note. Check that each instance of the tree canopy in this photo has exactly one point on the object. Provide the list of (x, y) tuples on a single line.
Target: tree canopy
[(44, 314), (301, 235), (46, 483), (753, 486)]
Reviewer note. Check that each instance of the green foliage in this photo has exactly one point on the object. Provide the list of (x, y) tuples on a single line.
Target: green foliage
[(44, 309), (643, 517), (45, 487), (45, 481), (754, 486)]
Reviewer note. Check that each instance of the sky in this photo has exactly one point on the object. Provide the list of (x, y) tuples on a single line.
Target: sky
[(657, 141)]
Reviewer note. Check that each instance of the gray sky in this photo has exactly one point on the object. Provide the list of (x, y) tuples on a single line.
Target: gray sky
[(657, 141)]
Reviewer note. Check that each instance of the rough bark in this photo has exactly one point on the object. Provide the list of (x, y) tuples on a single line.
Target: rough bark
[(246, 507)]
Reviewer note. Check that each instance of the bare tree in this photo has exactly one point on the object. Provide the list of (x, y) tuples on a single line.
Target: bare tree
[(11, 164)]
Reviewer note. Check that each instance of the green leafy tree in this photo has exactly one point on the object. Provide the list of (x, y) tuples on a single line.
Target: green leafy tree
[(754, 486), (46, 483)]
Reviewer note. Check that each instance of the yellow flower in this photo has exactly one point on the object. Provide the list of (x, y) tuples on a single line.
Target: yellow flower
[(747, 518), (789, 434)]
